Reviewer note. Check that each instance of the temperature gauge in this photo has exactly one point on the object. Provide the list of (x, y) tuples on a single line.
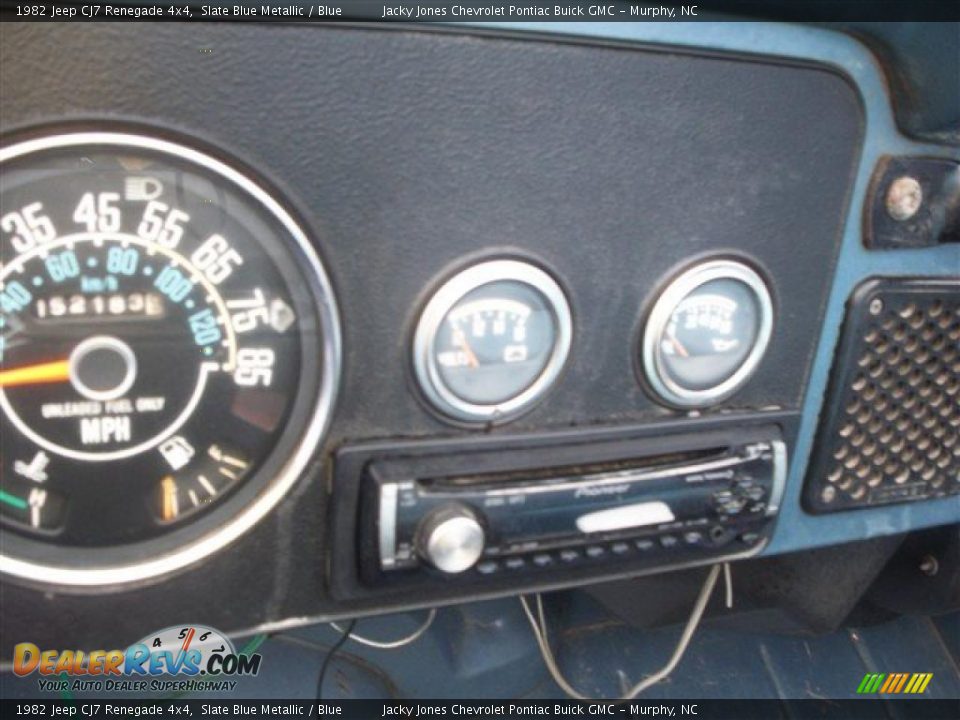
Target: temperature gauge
[(707, 333), (492, 340)]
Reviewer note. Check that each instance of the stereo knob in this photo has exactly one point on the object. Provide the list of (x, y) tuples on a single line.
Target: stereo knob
[(451, 538)]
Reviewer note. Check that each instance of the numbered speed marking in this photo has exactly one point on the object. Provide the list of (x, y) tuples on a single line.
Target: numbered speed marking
[(167, 339)]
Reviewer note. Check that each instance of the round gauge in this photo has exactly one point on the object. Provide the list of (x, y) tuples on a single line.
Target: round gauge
[(169, 352), (706, 333), (492, 340)]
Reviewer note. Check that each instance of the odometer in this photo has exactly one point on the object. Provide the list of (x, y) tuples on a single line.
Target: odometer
[(168, 356)]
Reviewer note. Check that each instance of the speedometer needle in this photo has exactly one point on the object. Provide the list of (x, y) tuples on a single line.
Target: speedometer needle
[(48, 372)]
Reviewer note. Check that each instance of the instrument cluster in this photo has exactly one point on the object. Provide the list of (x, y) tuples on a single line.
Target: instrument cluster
[(168, 357), (170, 350)]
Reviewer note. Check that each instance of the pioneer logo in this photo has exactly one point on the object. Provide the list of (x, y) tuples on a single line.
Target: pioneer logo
[(596, 490)]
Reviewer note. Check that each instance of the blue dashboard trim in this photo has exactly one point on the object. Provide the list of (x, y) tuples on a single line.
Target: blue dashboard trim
[(797, 529)]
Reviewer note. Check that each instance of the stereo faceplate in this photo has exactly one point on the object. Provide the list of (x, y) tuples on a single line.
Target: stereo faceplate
[(561, 515), (521, 513)]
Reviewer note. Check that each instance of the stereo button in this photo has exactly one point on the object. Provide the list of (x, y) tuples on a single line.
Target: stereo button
[(488, 567), (733, 506), (668, 541), (542, 560)]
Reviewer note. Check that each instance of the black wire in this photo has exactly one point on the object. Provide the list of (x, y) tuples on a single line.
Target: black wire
[(333, 651)]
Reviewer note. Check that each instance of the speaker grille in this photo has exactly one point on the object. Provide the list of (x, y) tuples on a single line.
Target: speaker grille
[(890, 429)]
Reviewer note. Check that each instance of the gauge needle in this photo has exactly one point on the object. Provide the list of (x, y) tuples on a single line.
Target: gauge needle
[(678, 346), (168, 488), (48, 372), (186, 641), (465, 346)]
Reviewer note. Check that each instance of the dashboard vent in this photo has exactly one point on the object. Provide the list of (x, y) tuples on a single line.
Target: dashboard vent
[(890, 427)]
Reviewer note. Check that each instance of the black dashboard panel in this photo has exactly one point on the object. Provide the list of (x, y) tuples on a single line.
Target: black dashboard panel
[(409, 153)]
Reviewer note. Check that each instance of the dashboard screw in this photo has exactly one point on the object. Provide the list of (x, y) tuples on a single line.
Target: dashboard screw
[(929, 566), (904, 198)]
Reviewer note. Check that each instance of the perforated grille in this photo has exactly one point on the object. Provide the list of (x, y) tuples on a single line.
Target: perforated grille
[(891, 426)]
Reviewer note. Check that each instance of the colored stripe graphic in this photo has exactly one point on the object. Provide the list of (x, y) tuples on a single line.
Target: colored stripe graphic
[(918, 683), (900, 684), (894, 683), (870, 683)]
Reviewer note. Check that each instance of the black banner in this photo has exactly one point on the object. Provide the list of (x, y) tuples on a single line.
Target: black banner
[(866, 709), (433, 11)]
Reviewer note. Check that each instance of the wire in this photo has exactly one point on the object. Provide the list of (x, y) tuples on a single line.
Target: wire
[(255, 642), (728, 582), (548, 659), (345, 634), (539, 626), (66, 695), (392, 644)]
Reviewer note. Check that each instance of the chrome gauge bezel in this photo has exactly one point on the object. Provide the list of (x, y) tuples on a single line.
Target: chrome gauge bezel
[(665, 387), (442, 302), (134, 563)]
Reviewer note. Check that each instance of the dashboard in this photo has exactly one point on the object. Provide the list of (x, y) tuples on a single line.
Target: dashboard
[(303, 323)]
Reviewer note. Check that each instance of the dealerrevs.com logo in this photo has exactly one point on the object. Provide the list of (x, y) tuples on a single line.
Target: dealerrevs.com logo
[(203, 659)]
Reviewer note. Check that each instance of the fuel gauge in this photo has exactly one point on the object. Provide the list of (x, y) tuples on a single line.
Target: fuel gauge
[(198, 481)]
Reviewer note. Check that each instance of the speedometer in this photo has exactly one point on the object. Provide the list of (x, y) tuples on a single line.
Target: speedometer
[(169, 351)]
